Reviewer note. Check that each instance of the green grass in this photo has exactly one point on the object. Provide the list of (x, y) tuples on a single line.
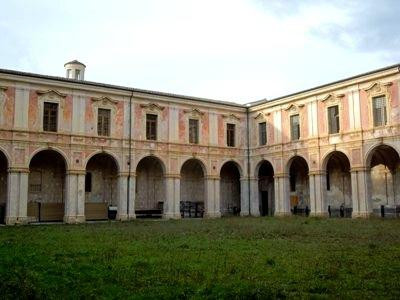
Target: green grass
[(223, 258)]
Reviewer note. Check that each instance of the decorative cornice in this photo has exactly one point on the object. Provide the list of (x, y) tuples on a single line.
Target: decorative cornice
[(193, 111), (44, 92), (104, 99), (152, 106), (259, 116), (231, 116)]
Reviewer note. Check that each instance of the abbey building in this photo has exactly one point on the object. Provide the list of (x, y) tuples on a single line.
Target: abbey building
[(73, 150)]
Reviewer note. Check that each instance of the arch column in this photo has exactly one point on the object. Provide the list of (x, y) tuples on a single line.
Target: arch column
[(74, 196), (254, 197), (17, 196), (124, 212), (173, 196), (361, 193), (282, 195), (212, 201), (244, 196), (317, 196)]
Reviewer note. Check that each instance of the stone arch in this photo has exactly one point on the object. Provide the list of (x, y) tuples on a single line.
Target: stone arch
[(202, 163), (258, 165), (230, 188), (235, 162), (193, 188), (337, 184), (328, 155), (46, 185), (156, 157), (382, 162), (150, 187), (59, 151), (292, 158), (299, 185), (266, 187), (109, 153), (101, 186)]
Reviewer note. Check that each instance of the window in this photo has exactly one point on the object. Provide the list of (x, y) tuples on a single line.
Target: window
[(333, 119), (151, 127), (50, 112), (230, 135), (262, 131), (103, 122), (379, 110), (193, 131), (77, 74), (68, 73), (294, 127), (88, 182)]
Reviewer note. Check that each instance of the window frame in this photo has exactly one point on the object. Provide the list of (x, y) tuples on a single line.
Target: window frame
[(101, 130), (231, 135), (149, 135), (197, 131), (337, 117), (298, 125), (262, 135), (384, 115), (47, 126)]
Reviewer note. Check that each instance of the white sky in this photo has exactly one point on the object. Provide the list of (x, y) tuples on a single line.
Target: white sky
[(230, 50)]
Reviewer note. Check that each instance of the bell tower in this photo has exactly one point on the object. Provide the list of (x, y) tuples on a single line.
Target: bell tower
[(75, 70)]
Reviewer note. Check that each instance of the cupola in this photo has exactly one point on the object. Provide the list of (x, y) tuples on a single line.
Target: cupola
[(75, 70)]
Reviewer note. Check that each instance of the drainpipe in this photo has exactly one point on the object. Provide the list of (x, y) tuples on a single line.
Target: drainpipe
[(248, 155), (128, 184)]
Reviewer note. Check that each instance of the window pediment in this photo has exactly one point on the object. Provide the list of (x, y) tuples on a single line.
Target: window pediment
[(194, 112), (231, 117), (378, 88), (105, 100), (259, 116), (51, 93), (294, 108), (332, 98), (152, 107)]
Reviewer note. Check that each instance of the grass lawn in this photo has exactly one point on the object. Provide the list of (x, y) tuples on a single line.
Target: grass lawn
[(222, 258)]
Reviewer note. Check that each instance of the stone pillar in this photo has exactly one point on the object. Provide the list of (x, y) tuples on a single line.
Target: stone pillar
[(17, 196), (317, 196), (124, 212), (132, 197), (254, 197), (173, 197), (244, 196), (361, 192), (282, 195), (74, 197), (212, 201)]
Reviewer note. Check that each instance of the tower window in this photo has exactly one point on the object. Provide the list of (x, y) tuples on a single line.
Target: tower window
[(294, 127), (379, 110), (103, 122), (50, 112), (333, 119), (230, 135), (151, 127), (77, 74), (262, 132), (193, 131), (68, 73)]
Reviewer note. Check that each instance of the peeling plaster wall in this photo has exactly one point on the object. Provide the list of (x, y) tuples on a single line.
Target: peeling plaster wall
[(192, 182), (383, 186), (301, 195), (340, 188), (229, 189), (104, 180), (46, 178), (150, 185)]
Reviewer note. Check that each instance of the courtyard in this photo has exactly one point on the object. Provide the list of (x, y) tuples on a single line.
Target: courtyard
[(203, 258)]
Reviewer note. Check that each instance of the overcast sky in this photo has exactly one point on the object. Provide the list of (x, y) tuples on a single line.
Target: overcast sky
[(230, 50)]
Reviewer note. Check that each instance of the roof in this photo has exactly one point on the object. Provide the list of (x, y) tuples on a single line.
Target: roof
[(254, 103), (118, 87), (76, 62)]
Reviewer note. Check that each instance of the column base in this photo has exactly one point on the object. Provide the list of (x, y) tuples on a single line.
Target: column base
[(121, 217), (16, 220), (171, 216), (74, 219), (244, 214), (282, 214), (319, 214), (361, 215), (212, 215)]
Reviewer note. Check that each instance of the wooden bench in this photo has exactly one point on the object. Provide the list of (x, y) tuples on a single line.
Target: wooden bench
[(96, 211)]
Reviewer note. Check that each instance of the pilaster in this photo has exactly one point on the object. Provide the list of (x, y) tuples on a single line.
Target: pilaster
[(244, 197), (317, 196), (360, 190), (282, 195), (75, 197), (212, 200), (17, 196), (172, 203), (254, 197)]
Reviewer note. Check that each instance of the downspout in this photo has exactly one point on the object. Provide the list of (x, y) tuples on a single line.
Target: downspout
[(128, 184), (248, 155)]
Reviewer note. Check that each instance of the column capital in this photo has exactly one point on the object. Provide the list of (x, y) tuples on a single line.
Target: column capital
[(75, 172), (359, 169), (126, 174), (281, 175), (212, 177), (317, 172), (18, 170), (171, 175)]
